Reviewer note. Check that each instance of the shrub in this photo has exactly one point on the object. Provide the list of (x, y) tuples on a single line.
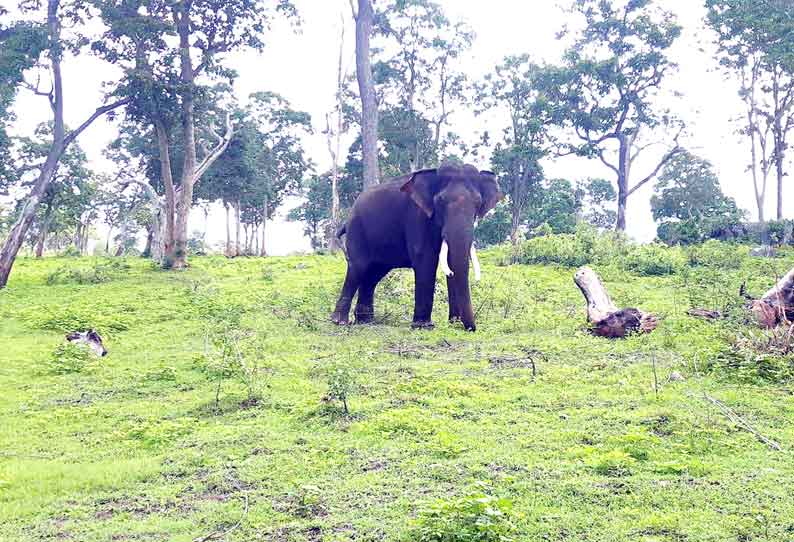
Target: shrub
[(69, 358), (653, 260), (476, 517), (759, 355), (341, 381), (716, 254)]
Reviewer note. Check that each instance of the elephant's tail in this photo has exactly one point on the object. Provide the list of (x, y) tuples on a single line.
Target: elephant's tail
[(341, 231)]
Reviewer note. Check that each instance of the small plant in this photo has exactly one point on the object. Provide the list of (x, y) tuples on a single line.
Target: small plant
[(759, 355), (69, 358), (228, 355), (478, 516), (341, 382), (612, 463)]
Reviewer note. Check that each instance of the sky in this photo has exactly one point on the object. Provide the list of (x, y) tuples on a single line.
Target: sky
[(301, 66)]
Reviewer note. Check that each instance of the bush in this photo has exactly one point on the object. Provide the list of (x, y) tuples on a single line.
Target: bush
[(69, 358), (653, 260), (475, 517), (759, 356), (716, 254), (341, 382)]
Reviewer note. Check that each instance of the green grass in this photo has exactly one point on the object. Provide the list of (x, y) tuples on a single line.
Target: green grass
[(134, 446)]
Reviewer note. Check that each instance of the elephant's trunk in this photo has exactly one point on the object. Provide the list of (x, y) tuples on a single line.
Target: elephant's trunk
[(458, 258)]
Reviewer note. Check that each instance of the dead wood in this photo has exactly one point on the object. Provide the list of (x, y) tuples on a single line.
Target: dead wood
[(605, 319)]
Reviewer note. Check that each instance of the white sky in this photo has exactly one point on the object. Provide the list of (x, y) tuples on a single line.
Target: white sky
[(302, 67)]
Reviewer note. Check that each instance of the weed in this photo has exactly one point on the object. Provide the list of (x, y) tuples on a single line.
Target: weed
[(69, 358), (477, 516)]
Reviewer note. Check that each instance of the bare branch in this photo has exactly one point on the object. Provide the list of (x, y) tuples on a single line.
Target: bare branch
[(71, 136), (218, 150)]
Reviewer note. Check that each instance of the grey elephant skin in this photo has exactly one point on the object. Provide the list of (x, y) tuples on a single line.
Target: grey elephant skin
[(401, 224)]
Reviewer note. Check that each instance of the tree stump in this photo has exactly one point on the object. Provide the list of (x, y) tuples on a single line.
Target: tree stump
[(605, 319)]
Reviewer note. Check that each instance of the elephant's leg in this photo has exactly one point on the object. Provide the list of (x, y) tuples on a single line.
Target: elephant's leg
[(454, 308), (341, 314), (423, 296), (365, 305)]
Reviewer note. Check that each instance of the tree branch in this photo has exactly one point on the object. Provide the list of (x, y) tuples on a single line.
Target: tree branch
[(219, 148), (71, 136)]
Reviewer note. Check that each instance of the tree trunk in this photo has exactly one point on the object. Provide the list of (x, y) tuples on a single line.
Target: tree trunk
[(45, 225), (17, 234), (228, 230), (236, 250), (605, 319), (624, 163), (245, 239), (147, 250), (334, 147), (265, 208), (178, 255), (364, 18), (107, 240)]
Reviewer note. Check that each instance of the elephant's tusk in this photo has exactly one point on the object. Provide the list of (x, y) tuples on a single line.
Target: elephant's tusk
[(442, 257), (475, 263)]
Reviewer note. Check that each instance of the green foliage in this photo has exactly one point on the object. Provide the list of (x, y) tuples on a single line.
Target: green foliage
[(494, 228), (342, 383), (600, 201), (653, 259), (98, 273), (130, 444), (477, 516), (689, 204), (70, 357), (713, 253)]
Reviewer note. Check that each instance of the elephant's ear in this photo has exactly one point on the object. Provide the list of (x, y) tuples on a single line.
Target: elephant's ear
[(489, 189), (421, 188)]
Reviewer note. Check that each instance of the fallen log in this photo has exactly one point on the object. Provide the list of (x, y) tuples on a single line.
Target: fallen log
[(605, 319), (777, 304)]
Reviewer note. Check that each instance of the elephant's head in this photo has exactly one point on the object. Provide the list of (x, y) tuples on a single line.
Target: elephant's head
[(453, 197)]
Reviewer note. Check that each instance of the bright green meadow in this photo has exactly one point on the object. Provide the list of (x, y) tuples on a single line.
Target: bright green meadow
[(220, 411)]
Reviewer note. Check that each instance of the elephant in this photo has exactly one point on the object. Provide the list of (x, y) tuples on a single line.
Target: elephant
[(411, 222)]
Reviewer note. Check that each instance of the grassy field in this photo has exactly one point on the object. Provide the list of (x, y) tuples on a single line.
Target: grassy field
[(217, 413)]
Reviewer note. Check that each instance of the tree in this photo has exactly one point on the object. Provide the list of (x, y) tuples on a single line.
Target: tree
[(264, 163), (68, 195), (21, 43), (364, 17), (599, 200), (605, 89), (494, 228), (756, 40), (688, 202), (61, 138), (556, 204), (420, 79), (163, 82), (514, 88), (334, 140)]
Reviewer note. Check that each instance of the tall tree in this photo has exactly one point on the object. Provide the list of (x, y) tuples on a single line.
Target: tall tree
[(604, 93), (420, 79), (364, 16), (688, 202), (68, 195), (334, 128), (598, 203), (755, 39), (61, 138), (513, 88), (166, 92)]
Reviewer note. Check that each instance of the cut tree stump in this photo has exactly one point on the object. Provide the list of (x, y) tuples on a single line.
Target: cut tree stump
[(605, 319)]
